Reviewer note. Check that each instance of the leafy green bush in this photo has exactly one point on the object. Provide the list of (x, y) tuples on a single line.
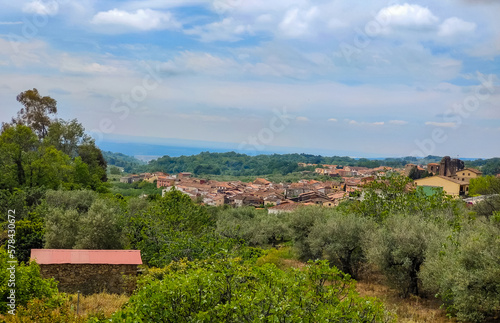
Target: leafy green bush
[(338, 238), (74, 224), (398, 249), (174, 228), (255, 227), (464, 270), (79, 200), (28, 283), (301, 224), (227, 290), (396, 194)]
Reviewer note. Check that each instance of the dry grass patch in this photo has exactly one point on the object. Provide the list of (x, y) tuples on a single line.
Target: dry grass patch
[(98, 304), (409, 310)]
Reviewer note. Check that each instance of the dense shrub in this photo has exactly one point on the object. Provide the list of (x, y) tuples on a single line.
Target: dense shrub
[(301, 224), (74, 225), (227, 290), (28, 283), (464, 271), (398, 249), (339, 239), (71, 200), (254, 227)]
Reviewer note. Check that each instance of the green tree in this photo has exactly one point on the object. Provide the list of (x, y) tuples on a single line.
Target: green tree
[(18, 146), (93, 157), (35, 113), (79, 200), (113, 170), (101, 227), (398, 249), (484, 185), (173, 228), (66, 136), (463, 270), (302, 222), (52, 169), (339, 238), (61, 228)]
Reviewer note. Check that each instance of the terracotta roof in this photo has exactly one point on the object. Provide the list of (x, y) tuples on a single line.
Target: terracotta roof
[(286, 206), (78, 256), (337, 195), (443, 177), (261, 181)]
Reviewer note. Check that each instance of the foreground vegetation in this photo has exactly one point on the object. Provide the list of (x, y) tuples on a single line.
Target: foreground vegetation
[(230, 265)]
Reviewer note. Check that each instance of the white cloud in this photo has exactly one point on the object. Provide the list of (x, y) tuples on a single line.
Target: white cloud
[(226, 30), (72, 64), (441, 124), (296, 23), (356, 123), (406, 16), (332, 120), (455, 26), (303, 119), (200, 63), (44, 8), (142, 20), (10, 22), (398, 122)]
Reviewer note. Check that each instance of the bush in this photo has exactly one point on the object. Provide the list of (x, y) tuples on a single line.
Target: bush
[(257, 228), (28, 283), (339, 239), (398, 249), (227, 290), (74, 200), (464, 271), (301, 224)]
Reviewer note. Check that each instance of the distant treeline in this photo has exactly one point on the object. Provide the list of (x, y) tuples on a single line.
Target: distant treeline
[(487, 166), (129, 163), (235, 164)]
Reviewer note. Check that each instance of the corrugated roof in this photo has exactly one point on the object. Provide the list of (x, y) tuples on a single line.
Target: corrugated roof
[(77, 256)]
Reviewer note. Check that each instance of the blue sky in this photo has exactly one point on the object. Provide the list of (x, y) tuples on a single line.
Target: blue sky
[(377, 78)]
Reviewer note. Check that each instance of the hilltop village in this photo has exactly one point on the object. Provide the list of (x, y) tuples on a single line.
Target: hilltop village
[(346, 182)]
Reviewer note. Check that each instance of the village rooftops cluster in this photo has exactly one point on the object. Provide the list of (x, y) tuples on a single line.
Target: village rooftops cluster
[(262, 192), (449, 174)]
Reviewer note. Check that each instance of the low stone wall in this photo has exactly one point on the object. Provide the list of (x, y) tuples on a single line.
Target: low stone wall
[(92, 278)]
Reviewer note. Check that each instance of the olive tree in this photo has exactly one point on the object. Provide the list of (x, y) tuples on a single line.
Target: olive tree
[(463, 270), (398, 248), (339, 239)]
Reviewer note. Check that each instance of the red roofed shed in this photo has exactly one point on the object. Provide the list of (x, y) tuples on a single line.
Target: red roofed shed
[(89, 271)]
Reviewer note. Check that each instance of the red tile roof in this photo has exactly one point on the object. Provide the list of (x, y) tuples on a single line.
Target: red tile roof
[(76, 256)]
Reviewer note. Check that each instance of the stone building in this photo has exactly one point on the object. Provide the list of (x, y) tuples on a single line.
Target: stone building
[(89, 271), (449, 167)]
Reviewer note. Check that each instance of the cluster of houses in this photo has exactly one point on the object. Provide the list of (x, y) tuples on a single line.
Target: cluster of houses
[(449, 174), (278, 197)]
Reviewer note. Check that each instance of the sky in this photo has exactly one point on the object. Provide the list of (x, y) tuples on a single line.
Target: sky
[(364, 78)]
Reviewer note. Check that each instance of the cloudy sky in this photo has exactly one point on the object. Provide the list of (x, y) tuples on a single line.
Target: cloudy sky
[(375, 78)]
